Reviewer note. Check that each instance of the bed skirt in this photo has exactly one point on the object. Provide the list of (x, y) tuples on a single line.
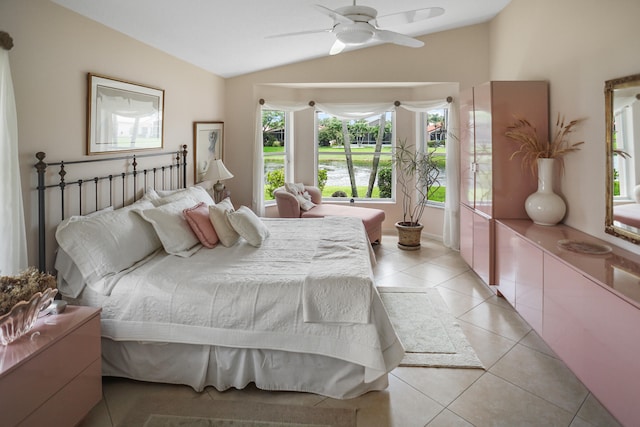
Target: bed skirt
[(200, 366)]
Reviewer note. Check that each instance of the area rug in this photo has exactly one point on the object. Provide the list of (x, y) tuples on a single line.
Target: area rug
[(428, 331), (206, 412)]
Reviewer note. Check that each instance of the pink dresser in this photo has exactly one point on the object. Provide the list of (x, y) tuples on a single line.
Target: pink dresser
[(585, 307), (492, 185), (52, 374)]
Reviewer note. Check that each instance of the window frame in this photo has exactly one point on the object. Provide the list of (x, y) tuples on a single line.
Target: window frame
[(389, 154), (422, 118), (287, 154)]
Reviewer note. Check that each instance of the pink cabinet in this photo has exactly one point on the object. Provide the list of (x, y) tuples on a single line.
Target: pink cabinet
[(506, 263), (529, 284), (519, 267), (483, 247), (466, 234), (586, 307), (476, 242), (52, 375), (493, 185), (596, 333)]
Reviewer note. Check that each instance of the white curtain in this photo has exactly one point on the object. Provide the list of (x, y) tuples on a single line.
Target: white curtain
[(355, 111), (451, 231), (451, 226), (13, 251), (258, 172)]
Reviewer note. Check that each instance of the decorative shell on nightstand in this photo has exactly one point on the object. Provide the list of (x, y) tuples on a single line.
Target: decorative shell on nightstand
[(23, 316), (22, 298)]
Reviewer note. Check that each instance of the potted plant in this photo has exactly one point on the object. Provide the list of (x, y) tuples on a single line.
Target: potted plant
[(417, 177)]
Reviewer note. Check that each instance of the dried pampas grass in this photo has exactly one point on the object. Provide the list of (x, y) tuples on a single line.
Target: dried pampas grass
[(533, 149)]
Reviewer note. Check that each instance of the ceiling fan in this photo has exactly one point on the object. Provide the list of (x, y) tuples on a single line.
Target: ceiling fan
[(357, 25)]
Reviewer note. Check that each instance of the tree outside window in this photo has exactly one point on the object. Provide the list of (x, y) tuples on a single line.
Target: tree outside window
[(356, 155), (274, 150)]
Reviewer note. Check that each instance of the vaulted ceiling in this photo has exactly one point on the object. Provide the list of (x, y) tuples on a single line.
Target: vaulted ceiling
[(231, 38)]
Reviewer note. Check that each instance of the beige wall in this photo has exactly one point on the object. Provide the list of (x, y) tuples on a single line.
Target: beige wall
[(458, 56), (565, 43), (576, 45), (54, 50)]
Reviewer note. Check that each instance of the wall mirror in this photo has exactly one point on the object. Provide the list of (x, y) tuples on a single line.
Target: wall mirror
[(622, 110)]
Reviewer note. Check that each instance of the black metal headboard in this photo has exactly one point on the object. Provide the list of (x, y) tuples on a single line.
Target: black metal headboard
[(176, 172)]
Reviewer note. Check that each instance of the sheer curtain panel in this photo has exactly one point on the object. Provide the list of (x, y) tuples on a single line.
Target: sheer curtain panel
[(13, 251), (258, 173)]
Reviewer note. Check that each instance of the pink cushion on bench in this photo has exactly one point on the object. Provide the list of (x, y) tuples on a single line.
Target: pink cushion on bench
[(372, 218), (289, 207)]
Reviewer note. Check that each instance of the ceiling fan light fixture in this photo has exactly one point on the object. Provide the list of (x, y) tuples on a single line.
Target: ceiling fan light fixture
[(355, 34)]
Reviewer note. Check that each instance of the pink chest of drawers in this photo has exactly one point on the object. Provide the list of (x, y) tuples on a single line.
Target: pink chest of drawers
[(53, 372), (585, 307)]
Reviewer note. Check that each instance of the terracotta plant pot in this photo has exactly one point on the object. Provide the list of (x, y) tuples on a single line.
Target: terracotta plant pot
[(409, 236)]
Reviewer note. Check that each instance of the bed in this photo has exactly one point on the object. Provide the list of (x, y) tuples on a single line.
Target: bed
[(290, 304)]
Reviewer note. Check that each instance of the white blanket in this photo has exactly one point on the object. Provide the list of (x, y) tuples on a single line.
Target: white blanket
[(248, 297), (338, 287)]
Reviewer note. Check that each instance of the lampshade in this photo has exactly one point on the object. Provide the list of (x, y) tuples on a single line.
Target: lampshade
[(217, 171)]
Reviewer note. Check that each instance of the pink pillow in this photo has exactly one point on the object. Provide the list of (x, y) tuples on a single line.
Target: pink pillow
[(198, 219)]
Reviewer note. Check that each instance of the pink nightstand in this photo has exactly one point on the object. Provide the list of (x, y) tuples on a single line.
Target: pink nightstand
[(53, 372)]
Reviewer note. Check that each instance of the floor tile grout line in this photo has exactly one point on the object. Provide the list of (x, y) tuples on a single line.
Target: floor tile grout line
[(580, 407), (532, 393), (539, 351), (418, 390)]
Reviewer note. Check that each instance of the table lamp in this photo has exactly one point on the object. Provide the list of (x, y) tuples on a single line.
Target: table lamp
[(217, 172)]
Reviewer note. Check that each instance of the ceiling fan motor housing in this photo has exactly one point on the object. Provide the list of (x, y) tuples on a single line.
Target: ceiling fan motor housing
[(358, 32)]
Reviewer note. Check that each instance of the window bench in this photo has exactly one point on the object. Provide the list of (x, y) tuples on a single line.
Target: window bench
[(288, 207)]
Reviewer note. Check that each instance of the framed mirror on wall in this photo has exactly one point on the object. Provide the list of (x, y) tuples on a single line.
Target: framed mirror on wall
[(622, 115)]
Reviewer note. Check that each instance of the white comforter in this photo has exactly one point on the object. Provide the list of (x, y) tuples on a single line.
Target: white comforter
[(248, 297)]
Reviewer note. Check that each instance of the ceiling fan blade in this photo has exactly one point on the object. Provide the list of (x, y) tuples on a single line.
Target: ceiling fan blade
[(337, 18), (299, 33), (397, 38), (407, 17), (337, 47)]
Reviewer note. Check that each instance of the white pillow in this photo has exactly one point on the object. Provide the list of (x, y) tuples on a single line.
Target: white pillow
[(217, 214), (105, 244), (197, 194), (248, 225), (172, 228), (302, 195)]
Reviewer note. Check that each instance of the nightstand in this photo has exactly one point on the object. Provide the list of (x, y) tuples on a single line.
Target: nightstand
[(53, 373)]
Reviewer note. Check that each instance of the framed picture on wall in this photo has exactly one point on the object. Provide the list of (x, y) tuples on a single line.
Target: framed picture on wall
[(123, 116), (208, 143)]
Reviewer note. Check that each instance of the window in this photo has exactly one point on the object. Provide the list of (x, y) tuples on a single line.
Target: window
[(623, 166), (354, 156), (275, 150), (433, 131)]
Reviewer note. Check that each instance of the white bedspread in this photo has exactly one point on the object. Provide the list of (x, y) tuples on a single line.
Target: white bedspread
[(248, 297), (338, 287)]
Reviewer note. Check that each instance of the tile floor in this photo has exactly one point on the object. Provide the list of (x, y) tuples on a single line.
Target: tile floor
[(524, 384)]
